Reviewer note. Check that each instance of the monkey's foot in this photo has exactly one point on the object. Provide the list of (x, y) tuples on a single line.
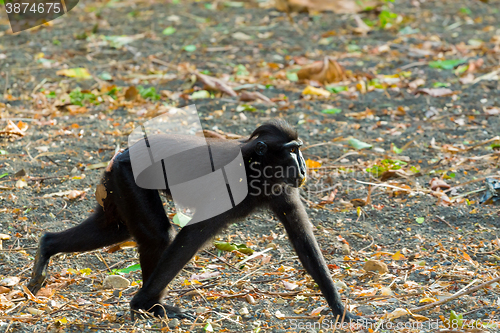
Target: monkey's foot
[(39, 274), (161, 311)]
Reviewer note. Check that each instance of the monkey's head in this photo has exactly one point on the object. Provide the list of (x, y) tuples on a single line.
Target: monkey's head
[(275, 157)]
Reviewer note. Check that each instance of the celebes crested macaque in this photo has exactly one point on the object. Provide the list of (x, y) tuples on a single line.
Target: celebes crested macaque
[(129, 211)]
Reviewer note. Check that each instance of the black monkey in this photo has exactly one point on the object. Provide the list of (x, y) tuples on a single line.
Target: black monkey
[(275, 169)]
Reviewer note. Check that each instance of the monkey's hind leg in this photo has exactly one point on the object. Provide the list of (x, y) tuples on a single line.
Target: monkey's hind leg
[(91, 234)]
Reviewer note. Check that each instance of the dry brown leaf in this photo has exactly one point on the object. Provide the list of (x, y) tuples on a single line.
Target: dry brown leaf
[(212, 83), (466, 79), (289, 285), (493, 111), (10, 281), (76, 109), (328, 199), (436, 92), (436, 183), (73, 194), (443, 199), (5, 303), (362, 27), (358, 202), (123, 245), (247, 96), (131, 93), (336, 6), (13, 129), (101, 194), (389, 174), (46, 292), (399, 312), (4, 237), (375, 266), (368, 113), (317, 311), (325, 71), (416, 83)]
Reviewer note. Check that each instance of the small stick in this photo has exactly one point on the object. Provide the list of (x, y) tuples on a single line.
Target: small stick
[(6, 86), (443, 220), (496, 138), (414, 64), (470, 182), (454, 296)]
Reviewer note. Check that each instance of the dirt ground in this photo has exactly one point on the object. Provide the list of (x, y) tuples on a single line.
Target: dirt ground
[(433, 242)]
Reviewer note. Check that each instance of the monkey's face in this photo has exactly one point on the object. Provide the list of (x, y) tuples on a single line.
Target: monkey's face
[(281, 163), (295, 174)]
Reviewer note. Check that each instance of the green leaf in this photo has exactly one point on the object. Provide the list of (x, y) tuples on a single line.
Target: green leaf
[(447, 64), (208, 328), (244, 249), (408, 31), (331, 111), (386, 17), (148, 93), (456, 319), (245, 107), (336, 89), (169, 31), (77, 97), (190, 48), (292, 76), (229, 247), (200, 94), (234, 4), (105, 76), (79, 73), (359, 144), (225, 246), (3, 152), (118, 42), (127, 270), (353, 48), (4, 175), (181, 219), (241, 70), (420, 220), (465, 10), (396, 150), (441, 84)]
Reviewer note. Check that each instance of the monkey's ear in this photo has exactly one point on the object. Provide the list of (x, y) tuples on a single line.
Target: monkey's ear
[(261, 148)]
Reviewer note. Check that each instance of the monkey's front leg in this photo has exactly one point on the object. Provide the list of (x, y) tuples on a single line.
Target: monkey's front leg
[(185, 245), (292, 214)]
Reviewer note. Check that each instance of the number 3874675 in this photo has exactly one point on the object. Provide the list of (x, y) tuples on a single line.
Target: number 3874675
[(35, 8)]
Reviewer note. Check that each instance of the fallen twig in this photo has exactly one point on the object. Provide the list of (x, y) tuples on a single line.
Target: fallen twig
[(454, 296)]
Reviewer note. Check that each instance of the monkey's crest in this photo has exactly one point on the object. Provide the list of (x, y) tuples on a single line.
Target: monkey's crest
[(277, 129)]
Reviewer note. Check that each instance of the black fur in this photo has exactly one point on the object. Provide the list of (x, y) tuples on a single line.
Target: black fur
[(130, 211)]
